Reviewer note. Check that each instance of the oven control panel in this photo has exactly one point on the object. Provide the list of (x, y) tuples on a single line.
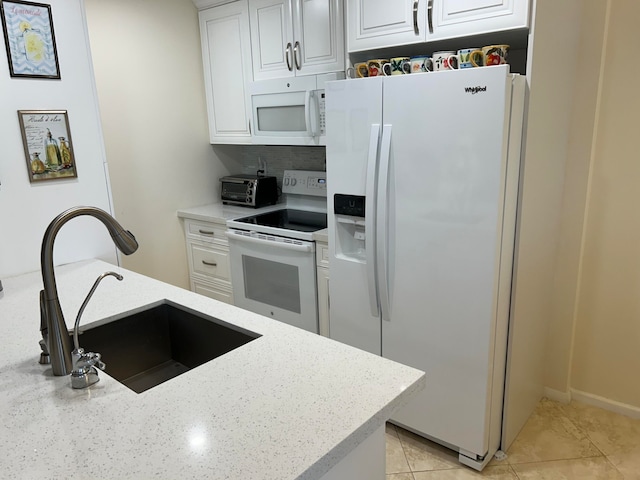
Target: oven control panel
[(305, 182)]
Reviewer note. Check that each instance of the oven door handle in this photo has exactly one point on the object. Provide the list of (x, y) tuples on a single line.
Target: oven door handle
[(234, 235)]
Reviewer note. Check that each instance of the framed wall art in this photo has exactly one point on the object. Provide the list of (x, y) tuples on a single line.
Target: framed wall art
[(47, 144), (29, 39)]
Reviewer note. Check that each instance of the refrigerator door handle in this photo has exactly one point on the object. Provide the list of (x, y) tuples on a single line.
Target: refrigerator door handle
[(382, 218), (370, 218)]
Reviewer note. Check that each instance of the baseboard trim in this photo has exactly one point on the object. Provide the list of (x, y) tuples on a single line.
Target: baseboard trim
[(557, 395), (604, 403)]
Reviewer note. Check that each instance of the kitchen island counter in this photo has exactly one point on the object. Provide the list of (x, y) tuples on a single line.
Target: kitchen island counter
[(288, 405)]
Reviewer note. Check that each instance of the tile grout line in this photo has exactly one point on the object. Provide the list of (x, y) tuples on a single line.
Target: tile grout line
[(513, 470), (406, 459), (557, 460), (613, 465)]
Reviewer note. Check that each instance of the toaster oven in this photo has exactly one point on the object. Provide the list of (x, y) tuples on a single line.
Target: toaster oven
[(249, 190)]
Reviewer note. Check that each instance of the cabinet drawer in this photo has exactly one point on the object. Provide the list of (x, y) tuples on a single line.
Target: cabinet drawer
[(212, 291), (209, 261), (322, 254), (206, 232)]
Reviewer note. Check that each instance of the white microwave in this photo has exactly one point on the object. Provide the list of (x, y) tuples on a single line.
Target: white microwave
[(289, 111)]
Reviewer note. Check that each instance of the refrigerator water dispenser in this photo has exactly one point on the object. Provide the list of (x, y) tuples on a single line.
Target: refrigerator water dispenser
[(350, 226)]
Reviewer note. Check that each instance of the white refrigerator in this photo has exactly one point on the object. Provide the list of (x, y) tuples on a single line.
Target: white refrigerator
[(422, 182)]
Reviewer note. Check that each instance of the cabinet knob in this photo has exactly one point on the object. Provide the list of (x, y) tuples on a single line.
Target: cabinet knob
[(210, 264), (206, 232)]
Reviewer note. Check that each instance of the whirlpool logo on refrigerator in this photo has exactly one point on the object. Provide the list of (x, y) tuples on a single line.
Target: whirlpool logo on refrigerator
[(474, 90)]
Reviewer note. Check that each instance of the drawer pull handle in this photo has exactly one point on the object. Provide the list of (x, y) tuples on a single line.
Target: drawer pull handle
[(206, 232), (210, 264)]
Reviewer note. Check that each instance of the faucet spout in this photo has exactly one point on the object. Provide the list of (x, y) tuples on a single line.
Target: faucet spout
[(57, 338)]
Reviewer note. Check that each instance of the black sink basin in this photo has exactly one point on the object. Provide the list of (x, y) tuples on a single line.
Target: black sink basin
[(148, 348)]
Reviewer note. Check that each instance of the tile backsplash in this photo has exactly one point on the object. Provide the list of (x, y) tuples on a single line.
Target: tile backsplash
[(277, 158)]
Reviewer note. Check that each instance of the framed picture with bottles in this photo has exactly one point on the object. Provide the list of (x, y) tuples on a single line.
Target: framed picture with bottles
[(47, 144), (29, 39)]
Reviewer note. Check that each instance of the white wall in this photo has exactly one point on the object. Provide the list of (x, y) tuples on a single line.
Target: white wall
[(148, 65), (607, 331), (541, 194), (581, 136), (27, 208)]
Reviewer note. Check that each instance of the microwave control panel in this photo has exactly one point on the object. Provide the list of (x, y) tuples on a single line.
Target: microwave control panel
[(305, 182), (321, 113)]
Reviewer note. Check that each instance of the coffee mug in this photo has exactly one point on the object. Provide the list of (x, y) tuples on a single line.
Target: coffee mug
[(447, 60), (464, 55), (359, 70), (421, 63), (490, 55), (378, 67), (400, 66)]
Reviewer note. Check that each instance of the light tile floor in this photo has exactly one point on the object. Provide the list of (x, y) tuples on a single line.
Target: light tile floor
[(574, 441)]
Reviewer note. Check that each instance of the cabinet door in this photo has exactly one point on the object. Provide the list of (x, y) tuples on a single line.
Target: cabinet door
[(271, 38), (226, 56), (212, 291), (318, 36), (323, 301), (457, 18), (384, 23)]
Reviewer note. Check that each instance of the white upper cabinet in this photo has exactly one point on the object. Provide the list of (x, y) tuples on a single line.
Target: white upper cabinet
[(458, 18), (226, 54), (384, 23), (296, 37)]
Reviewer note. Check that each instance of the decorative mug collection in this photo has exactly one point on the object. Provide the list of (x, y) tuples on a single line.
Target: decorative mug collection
[(444, 60)]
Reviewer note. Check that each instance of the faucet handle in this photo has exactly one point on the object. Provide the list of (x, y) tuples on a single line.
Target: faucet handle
[(96, 360), (84, 371)]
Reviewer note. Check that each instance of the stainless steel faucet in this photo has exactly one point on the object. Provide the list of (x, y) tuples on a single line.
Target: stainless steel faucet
[(86, 364), (56, 343)]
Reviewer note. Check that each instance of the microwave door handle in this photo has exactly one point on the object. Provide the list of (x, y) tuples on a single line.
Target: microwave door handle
[(307, 112), (314, 114)]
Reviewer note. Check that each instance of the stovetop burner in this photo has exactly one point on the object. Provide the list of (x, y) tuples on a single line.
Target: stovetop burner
[(289, 219)]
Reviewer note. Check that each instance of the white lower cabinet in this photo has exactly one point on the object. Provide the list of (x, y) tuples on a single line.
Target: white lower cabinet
[(218, 292), (322, 272), (208, 255)]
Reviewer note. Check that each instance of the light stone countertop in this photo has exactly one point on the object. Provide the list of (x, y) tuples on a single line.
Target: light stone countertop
[(288, 405), (220, 213)]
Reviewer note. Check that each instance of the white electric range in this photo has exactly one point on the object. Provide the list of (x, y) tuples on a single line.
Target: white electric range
[(273, 266)]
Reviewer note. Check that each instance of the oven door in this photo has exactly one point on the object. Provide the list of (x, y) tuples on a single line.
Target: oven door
[(274, 276)]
